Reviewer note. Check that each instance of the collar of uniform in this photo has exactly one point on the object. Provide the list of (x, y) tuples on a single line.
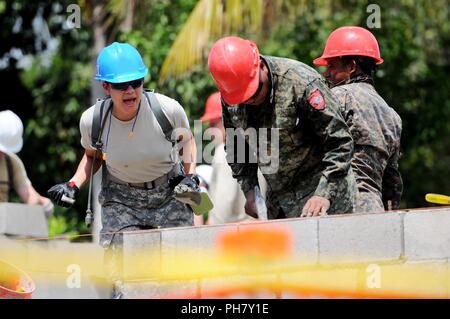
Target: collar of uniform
[(270, 67), (362, 78)]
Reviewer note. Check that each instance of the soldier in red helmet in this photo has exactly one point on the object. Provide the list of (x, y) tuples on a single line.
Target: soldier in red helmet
[(351, 56), (315, 146)]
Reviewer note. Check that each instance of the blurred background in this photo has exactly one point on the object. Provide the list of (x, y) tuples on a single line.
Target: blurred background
[(48, 53)]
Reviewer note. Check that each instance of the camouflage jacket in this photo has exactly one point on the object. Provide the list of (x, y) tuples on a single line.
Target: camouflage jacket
[(315, 145), (376, 129)]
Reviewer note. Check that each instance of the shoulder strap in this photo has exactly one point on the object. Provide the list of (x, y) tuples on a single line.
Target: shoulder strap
[(160, 116), (9, 168), (97, 123)]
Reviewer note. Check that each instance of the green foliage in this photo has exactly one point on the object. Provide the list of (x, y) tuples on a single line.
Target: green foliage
[(154, 34), (60, 225)]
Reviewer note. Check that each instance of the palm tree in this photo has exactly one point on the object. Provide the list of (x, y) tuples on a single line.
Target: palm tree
[(212, 19)]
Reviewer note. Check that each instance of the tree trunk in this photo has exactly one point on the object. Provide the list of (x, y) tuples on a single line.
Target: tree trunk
[(97, 92)]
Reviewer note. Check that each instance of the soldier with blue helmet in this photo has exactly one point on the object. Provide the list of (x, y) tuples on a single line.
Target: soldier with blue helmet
[(139, 161)]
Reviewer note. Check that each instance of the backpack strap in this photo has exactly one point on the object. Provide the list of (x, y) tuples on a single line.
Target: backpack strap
[(97, 123), (9, 168), (96, 141), (160, 116)]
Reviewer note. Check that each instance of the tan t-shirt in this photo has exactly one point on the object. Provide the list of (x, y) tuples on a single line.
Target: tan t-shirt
[(147, 155), (20, 178)]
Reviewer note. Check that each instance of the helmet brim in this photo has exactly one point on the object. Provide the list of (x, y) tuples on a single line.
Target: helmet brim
[(16, 148), (210, 117), (322, 61), (123, 78), (239, 97)]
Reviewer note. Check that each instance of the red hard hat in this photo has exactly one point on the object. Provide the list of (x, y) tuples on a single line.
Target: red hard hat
[(234, 65), (213, 108), (350, 41)]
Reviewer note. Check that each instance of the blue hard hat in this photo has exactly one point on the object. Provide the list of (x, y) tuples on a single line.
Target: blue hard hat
[(120, 62)]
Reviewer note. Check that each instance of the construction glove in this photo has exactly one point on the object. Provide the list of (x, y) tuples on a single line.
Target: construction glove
[(188, 190), (64, 194)]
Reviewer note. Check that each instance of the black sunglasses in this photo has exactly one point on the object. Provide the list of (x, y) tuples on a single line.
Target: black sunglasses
[(123, 86)]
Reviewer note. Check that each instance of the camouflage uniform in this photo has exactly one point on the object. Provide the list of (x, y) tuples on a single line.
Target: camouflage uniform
[(376, 130), (126, 208), (315, 146)]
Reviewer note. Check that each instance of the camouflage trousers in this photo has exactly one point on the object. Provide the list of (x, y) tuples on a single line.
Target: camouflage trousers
[(367, 202), (126, 208), (129, 208)]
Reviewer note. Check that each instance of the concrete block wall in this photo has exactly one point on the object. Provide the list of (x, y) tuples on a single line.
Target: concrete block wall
[(59, 269), (337, 251), (23, 220), (24, 244), (333, 252)]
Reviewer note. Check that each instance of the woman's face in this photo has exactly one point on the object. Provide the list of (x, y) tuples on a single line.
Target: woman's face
[(126, 98)]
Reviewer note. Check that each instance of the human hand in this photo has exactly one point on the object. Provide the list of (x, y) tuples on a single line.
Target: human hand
[(250, 204), (64, 194), (188, 190), (48, 207)]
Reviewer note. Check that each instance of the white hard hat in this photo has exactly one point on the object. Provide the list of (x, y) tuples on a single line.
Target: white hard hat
[(11, 130), (204, 172)]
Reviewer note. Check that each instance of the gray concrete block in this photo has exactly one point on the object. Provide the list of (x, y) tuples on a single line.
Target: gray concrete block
[(302, 234), (319, 282), (141, 254), (427, 234), (383, 280), (13, 251), (193, 252), (160, 289), (23, 220), (415, 280), (360, 238), (448, 279), (58, 256), (59, 286)]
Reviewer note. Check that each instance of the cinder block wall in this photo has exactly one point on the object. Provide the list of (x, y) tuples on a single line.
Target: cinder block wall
[(50, 263), (408, 251), (340, 252)]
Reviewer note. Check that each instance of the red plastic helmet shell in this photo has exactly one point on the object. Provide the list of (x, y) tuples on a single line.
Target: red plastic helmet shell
[(213, 108), (15, 283), (234, 64), (350, 40)]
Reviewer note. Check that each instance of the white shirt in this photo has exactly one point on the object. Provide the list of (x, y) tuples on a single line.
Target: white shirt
[(147, 155)]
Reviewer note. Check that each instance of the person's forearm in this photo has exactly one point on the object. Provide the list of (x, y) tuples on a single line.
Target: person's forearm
[(392, 188), (83, 172), (191, 155), (28, 195)]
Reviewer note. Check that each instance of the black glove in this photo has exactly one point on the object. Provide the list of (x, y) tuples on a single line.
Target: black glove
[(64, 194), (192, 181), (174, 181)]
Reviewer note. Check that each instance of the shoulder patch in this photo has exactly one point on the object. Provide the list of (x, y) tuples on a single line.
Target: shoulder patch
[(316, 100)]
